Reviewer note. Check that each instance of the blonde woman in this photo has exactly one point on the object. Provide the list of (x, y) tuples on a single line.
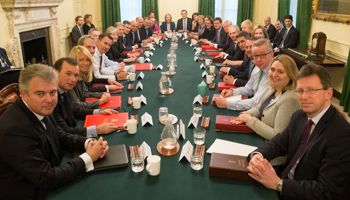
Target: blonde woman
[(260, 32), (168, 25), (80, 91), (272, 115)]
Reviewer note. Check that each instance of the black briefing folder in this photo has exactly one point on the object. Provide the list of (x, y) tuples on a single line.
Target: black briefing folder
[(115, 157)]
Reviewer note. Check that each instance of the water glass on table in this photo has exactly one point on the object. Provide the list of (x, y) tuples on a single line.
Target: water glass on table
[(197, 109), (199, 136)]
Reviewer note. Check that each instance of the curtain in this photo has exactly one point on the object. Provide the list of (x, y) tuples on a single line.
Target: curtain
[(245, 10), (303, 24), (148, 6), (206, 7), (110, 13), (283, 9), (345, 95)]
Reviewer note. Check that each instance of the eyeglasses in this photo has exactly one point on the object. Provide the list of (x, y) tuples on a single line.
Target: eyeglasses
[(308, 91), (262, 56)]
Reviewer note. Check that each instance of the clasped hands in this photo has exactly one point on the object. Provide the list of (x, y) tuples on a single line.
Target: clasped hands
[(97, 149)]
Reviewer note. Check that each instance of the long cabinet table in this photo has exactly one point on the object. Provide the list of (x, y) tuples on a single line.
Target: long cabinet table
[(176, 180)]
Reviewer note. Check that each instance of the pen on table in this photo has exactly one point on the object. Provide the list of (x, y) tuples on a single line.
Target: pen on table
[(124, 109)]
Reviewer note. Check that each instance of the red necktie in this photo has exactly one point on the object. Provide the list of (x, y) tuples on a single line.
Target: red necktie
[(217, 37), (101, 64), (234, 46), (300, 150), (138, 34), (227, 38)]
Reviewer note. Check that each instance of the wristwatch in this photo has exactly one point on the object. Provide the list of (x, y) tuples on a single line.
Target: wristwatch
[(279, 185)]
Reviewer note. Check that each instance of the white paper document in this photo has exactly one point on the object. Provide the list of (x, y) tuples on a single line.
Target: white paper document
[(143, 99), (232, 148), (145, 150), (198, 99), (139, 86), (234, 98), (146, 118), (193, 121), (141, 75), (186, 151)]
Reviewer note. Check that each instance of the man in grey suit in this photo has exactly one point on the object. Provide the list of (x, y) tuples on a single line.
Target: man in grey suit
[(77, 30), (316, 143), (184, 24)]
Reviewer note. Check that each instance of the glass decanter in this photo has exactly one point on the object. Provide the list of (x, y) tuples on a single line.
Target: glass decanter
[(169, 135), (163, 84)]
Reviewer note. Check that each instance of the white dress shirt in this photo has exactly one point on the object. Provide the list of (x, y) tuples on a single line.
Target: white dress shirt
[(107, 68)]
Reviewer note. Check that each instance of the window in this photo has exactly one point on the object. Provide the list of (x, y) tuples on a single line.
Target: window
[(227, 10), (130, 9), (293, 10)]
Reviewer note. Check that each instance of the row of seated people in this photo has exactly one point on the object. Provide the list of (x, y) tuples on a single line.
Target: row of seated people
[(272, 84)]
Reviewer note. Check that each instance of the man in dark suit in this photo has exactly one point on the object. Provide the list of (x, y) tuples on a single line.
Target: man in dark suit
[(316, 143), (220, 36), (234, 53), (121, 44), (7, 75), (148, 27), (77, 30), (227, 41), (289, 36), (128, 37), (239, 75), (65, 112), (270, 28), (184, 24), (278, 27), (31, 143), (140, 33)]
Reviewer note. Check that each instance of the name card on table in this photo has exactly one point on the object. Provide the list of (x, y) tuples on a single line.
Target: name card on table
[(160, 67), (181, 130), (141, 75), (143, 99), (145, 150), (202, 66), (139, 86), (186, 151), (198, 99), (151, 53), (146, 119), (166, 39), (204, 74), (195, 49), (203, 83), (187, 42), (193, 121), (147, 60), (196, 58), (160, 44)]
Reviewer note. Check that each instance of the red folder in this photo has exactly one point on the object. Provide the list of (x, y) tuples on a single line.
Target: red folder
[(115, 102), (218, 95), (213, 53), (118, 119), (223, 86), (217, 59), (138, 51), (222, 123), (142, 66), (160, 35), (104, 84), (207, 47)]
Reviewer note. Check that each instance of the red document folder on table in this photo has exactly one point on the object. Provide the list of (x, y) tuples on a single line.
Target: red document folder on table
[(222, 123), (118, 119), (207, 47), (115, 102), (218, 95), (213, 53), (223, 86), (160, 35), (142, 66), (104, 84), (138, 51), (217, 59)]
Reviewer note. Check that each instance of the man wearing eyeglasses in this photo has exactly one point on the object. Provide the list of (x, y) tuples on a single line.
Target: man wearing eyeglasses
[(258, 83), (316, 143)]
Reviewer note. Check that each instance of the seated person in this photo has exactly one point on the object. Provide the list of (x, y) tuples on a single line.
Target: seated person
[(104, 67), (121, 40), (289, 36), (209, 32), (128, 37), (77, 30), (270, 28), (31, 143), (184, 24), (278, 28), (316, 143), (5, 65), (65, 112), (233, 53), (148, 27), (220, 34), (94, 32), (271, 116), (168, 26), (257, 85), (87, 23), (239, 75), (260, 32), (200, 26), (154, 23), (114, 53), (141, 35), (194, 22), (247, 26), (226, 25)]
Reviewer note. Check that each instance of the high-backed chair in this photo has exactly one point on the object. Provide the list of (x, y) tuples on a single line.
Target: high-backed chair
[(9, 93)]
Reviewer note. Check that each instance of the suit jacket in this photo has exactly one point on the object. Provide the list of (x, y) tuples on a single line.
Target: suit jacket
[(76, 34), (6, 59), (180, 24), (226, 43), (271, 31), (223, 37), (237, 54), (29, 168), (127, 42), (241, 73), (9, 76), (86, 28), (292, 38), (115, 54), (277, 33), (323, 170), (80, 92), (208, 34), (164, 27), (132, 38), (99, 88), (142, 33)]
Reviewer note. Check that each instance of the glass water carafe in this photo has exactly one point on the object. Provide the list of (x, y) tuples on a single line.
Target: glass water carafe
[(163, 84), (169, 135)]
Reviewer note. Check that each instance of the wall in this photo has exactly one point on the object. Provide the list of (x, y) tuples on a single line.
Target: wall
[(174, 7), (65, 16), (5, 31)]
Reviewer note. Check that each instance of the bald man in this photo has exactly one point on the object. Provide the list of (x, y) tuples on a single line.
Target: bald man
[(270, 28), (140, 33)]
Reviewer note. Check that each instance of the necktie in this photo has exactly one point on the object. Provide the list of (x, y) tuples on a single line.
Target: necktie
[(260, 76), (81, 30), (284, 38), (251, 66), (68, 106), (49, 132), (101, 64), (228, 36), (217, 37), (138, 34), (125, 40), (233, 46), (301, 148), (185, 24)]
